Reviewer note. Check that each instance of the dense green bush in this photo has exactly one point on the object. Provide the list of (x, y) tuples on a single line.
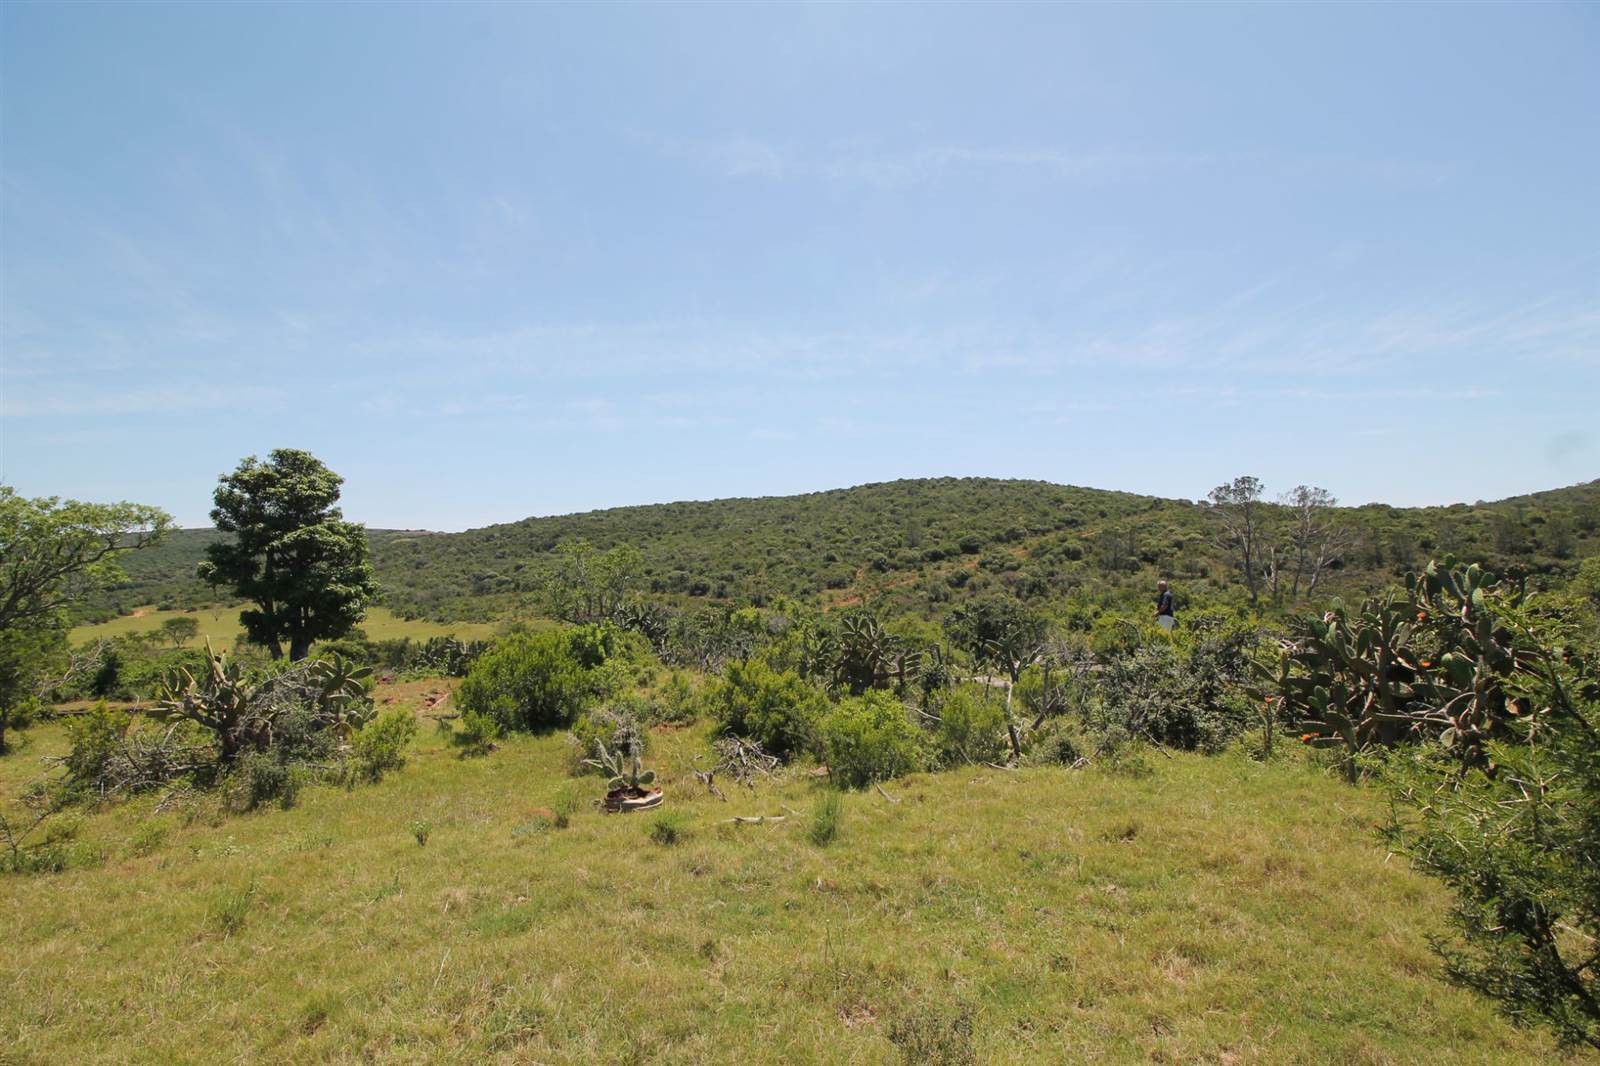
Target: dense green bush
[(263, 734), (529, 681), (971, 730), (95, 738), (1070, 538), (477, 734), (675, 701), (1059, 742), (779, 711), (303, 749), (1480, 706), (131, 668), (380, 745), (870, 738), (261, 777), (114, 752)]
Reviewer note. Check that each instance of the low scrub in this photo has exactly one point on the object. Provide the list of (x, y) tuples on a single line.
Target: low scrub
[(777, 710), (527, 681), (614, 730), (971, 729), (380, 745), (870, 738), (1185, 694), (262, 735), (477, 734)]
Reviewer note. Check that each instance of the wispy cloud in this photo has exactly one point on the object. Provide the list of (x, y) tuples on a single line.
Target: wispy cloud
[(30, 401), (860, 162)]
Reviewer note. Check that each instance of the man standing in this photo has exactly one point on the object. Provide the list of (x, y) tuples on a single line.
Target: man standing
[(1164, 616)]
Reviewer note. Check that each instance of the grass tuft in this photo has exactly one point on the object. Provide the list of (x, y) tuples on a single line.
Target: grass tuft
[(668, 828), (232, 908), (825, 818)]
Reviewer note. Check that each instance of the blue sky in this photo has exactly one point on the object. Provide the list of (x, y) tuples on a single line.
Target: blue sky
[(497, 261)]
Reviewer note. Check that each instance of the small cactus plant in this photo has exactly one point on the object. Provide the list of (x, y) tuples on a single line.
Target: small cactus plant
[(623, 769)]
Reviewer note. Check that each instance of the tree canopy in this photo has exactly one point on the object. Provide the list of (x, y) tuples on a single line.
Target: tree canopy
[(52, 550), (293, 555)]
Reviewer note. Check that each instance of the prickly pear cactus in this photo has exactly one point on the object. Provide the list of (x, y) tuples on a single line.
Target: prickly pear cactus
[(1431, 662)]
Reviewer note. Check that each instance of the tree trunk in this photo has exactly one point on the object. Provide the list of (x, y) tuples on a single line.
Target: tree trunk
[(1011, 723), (299, 648)]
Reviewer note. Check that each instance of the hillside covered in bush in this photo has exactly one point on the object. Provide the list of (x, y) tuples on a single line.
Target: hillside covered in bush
[(915, 545)]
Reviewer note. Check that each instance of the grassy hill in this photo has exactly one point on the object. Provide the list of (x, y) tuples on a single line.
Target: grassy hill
[(909, 545), (1205, 910)]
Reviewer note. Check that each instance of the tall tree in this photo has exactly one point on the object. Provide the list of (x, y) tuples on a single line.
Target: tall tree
[(293, 555), (1318, 538), (1243, 520), (180, 630), (51, 550)]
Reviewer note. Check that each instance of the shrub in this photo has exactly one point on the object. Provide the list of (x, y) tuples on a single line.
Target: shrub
[(110, 754), (1160, 693), (1056, 743), (96, 739), (297, 710), (477, 734), (131, 668), (259, 778), (971, 730), (444, 656), (1433, 662), (676, 702), (825, 819), (380, 745), (527, 681), (779, 711), (870, 738)]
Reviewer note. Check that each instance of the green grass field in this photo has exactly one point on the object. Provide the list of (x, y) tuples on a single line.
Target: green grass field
[(1212, 910), (221, 624)]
